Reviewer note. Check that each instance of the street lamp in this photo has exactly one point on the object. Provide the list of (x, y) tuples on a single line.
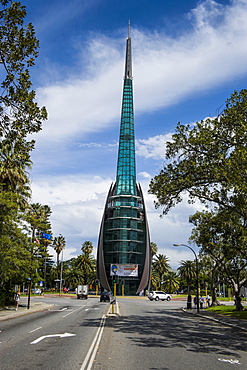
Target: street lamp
[(197, 272), (61, 275)]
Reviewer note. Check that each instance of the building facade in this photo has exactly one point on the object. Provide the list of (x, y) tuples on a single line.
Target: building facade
[(123, 255)]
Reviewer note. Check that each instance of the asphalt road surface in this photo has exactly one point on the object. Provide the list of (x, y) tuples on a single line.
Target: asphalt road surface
[(76, 334), (159, 335), (56, 339)]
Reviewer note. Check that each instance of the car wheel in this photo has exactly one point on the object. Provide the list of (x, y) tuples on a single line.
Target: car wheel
[(168, 298), (151, 299), (156, 298)]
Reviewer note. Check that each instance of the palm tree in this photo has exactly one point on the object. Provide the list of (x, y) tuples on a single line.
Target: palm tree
[(87, 264), (154, 249), (187, 271), (87, 247), (161, 266), (59, 244), (14, 162), (171, 281), (73, 276)]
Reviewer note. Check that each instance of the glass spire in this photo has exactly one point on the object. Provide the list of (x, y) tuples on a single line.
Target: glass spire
[(126, 167)]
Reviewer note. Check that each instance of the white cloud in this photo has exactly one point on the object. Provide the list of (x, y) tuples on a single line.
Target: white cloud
[(166, 70), (153, 147)]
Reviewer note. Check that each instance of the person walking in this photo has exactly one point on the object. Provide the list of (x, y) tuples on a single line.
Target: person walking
[(207, 300), (17, 300), (189, 305), (201, 301), (195, 301)]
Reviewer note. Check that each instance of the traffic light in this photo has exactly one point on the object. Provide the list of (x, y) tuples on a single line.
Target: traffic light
[(115, 279)]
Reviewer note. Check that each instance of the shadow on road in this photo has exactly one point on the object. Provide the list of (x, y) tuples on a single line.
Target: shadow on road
[(176, 329)]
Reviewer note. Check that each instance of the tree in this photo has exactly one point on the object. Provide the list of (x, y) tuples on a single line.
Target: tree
[(187, 272), (73, 275), (14, 246), (19, 113), (207, 161), (160, 266), (20, 116), (14, 162), (222, 235), (154, 249), (87, 247), (38, 219), (87, 263), (212, 275), (171, 281), (59, 244)]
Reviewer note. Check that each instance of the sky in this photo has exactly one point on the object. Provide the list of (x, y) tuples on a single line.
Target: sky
[(188, 58)]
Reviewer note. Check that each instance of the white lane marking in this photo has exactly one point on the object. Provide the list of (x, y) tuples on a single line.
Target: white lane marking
[(94, 346), (51, 336), (63, 309), (35, 329), (231, 361), (77, 309), (67, 314)]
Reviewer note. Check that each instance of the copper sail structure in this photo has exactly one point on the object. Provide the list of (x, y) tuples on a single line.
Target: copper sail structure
[(123, 255)]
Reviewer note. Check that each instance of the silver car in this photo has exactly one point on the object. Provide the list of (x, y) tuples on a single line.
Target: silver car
[(159, 295)]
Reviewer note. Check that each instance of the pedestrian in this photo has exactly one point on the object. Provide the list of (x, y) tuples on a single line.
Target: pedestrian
[(201, 301), (207, 300), (195, 301), (189, 302), (17, 300)]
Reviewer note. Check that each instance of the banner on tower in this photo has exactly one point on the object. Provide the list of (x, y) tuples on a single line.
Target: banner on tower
[(122, 269)]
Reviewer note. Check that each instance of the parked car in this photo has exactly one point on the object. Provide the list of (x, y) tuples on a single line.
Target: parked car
[(107, 296), (159, 295)]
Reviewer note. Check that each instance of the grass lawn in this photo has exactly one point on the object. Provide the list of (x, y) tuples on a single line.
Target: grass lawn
[(228, 311)]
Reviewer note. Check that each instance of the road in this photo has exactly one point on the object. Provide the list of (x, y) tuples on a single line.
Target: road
[(147, 335), (35, 341), (158, 335)]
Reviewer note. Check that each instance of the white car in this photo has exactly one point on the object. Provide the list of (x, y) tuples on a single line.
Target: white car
[(159, 295)]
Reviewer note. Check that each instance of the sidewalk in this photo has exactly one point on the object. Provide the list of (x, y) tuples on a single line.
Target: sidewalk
[(10, 312), (220, 319)]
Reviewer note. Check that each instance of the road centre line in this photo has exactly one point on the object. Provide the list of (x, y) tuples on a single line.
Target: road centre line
[(94, 346), (35, 329)]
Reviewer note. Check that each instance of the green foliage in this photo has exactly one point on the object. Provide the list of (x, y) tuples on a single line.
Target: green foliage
[(19, 113), (187, 272), (154, 249), (207, 161), (171, 281), (86, 263), (160, 267), (59, 244), (222, 235), (20, 116)]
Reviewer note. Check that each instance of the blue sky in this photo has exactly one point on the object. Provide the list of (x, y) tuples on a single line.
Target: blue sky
[(188, 57)]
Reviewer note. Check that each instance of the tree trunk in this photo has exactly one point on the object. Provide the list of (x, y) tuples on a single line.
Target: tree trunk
[(237, 300), (215, 301)]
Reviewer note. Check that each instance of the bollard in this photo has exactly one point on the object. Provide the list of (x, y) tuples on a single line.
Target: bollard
[(113, 302)]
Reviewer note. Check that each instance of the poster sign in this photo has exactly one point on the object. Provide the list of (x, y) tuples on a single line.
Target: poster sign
[(122, 269)]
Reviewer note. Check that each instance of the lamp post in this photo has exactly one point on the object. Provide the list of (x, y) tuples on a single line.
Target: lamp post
[(197, 272), (61, 276)]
